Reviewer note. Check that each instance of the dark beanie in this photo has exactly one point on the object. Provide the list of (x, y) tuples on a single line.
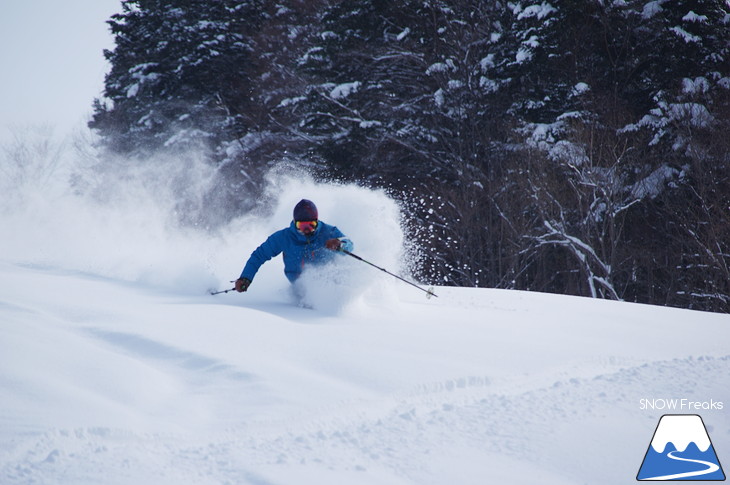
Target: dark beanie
[(305, 210)]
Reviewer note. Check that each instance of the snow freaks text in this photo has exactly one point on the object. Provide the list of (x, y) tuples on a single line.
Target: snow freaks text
[(687, 405)]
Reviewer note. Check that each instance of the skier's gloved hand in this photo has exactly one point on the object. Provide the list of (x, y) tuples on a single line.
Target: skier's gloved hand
[(333, 244), (242, 284)]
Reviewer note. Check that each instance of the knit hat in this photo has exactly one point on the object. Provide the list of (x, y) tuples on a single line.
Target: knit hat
[(305, 210)]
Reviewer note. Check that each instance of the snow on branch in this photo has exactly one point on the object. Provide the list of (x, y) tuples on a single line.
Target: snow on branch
[(585, 255)]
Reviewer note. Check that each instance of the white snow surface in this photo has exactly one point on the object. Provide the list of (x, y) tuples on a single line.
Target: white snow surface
[(117, 366)]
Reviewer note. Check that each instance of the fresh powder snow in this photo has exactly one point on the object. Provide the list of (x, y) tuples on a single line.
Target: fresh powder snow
[(118, 367)]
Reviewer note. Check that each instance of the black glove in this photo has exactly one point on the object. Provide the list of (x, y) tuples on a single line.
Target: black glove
[(333, 244), (242, 284)]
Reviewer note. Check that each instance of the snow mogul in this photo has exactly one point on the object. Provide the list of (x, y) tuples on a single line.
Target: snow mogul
[(307, 241)]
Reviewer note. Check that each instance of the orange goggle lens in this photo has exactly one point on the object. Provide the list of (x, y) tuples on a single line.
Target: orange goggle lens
[(302, 225)]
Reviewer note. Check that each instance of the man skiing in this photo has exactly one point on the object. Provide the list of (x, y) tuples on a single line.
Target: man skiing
[(307, 241)]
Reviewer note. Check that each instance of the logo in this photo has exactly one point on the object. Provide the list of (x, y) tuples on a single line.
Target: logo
[(680, 450)]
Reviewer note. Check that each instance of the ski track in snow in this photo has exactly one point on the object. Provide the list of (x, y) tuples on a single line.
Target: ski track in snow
[(116, 368), (508, 425), (392, 434)]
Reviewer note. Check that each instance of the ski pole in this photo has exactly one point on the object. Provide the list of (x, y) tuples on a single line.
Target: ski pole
[(222, 291), (429, 292)]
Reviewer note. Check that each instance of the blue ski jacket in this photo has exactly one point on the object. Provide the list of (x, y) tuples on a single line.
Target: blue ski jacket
[(299, 250)]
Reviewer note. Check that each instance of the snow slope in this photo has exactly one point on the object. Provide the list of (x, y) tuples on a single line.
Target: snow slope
[(116, 367)]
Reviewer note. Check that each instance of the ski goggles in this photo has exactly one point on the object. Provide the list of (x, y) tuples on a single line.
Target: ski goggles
[(303, 225)]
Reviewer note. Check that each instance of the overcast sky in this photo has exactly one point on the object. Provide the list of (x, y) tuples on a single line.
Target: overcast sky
[(51, 61)]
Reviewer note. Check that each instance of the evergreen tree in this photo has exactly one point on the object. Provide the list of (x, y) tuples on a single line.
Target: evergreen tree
[(687, 107), (595, 169), (361, 106), (562, 145), (179, 74)]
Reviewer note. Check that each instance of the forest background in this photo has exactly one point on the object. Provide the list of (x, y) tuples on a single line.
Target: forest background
[(568, 146)]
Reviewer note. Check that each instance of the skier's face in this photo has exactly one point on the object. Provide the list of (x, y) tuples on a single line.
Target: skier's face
[(306, 227)]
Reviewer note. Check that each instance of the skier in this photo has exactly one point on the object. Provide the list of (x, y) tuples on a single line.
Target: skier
[(306, 241)]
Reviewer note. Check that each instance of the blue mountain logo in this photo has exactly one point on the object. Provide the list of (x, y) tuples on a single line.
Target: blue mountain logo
[(681, 450)]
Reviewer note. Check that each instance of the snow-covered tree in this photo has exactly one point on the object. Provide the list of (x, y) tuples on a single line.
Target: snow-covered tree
[(365, 65), (559, 145), (180, 71), (619, 99)]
